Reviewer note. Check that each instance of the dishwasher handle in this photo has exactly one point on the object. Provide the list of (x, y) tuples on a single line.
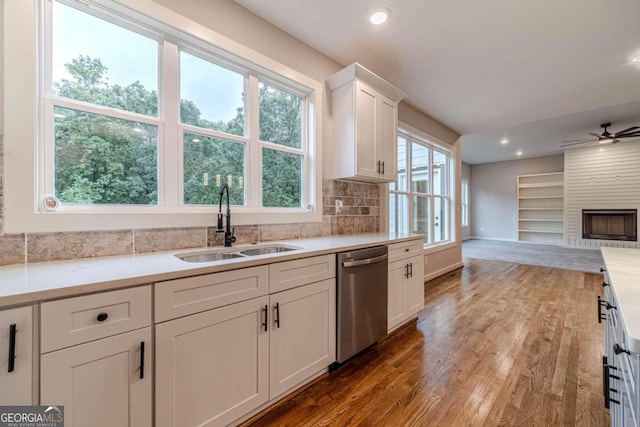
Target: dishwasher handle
[(367, 261)]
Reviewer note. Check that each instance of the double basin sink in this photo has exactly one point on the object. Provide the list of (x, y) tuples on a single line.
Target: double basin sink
[(212, 255)]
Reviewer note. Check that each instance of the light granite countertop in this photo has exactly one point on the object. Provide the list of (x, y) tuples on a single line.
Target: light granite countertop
[(28, 283), (623, 266)]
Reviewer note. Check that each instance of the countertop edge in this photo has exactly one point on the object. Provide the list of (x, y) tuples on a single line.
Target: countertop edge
[(182, 270)]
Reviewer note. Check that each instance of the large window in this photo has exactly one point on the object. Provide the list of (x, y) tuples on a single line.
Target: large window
[(421, 199), (135, 119)]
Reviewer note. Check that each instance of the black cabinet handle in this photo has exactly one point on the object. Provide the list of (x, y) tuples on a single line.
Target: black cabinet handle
[(12, 347), (142, 360), (618, 349), (406, 271), (277, 318), (266, 317), (410, 269), (102, 317), (382, 168), (378, 167), (601, 315), (609, 306)]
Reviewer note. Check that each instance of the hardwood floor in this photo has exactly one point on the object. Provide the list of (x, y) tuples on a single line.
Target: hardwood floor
[(497, 344)]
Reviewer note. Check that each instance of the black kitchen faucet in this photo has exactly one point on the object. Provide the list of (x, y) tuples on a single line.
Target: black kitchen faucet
[(229, 238)]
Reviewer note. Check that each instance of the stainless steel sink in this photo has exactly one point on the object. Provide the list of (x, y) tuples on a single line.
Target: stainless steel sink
[(211, 255), (208, 256), (268, 250)]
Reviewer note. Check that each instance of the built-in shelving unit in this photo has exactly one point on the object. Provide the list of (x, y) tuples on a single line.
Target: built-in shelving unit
[(540, 208)]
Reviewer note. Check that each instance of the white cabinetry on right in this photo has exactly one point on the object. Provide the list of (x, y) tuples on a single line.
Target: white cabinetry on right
[(365, 120), (406, 282)]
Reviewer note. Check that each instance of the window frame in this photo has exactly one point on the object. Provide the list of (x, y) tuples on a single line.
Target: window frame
[(30, 93), (412, 135), (464, 203)]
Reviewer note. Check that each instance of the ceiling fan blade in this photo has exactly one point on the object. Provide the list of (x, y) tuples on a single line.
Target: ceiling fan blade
[(595, 134), (578, 143), (622, 133), (629, 135), (580, 140)]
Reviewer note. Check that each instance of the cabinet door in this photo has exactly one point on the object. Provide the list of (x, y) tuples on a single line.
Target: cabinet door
[(366, 156), (386, 140), (414, 286), (212, 367), (99, 383), (303, 328), (16, 386), (396, 313)]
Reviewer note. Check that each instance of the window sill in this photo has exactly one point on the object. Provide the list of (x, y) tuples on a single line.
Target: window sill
[(439, 247)]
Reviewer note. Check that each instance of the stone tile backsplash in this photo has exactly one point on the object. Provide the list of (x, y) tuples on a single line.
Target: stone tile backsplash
[(360, 214)]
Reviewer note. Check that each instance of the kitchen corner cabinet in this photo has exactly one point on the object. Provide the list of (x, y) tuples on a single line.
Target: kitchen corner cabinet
[(16, 340), (406, 283), (365, 120), (97, 358)]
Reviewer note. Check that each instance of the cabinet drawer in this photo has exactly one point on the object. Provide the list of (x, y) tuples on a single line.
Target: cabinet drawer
[(77, 320), (291, 274), (181, 297), (405, 250)]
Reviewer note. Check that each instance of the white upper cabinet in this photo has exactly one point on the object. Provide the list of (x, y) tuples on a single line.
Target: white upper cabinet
[(365, 118)]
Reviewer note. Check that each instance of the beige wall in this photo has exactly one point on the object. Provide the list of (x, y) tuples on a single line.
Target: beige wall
[(466, 174), (229, 19)]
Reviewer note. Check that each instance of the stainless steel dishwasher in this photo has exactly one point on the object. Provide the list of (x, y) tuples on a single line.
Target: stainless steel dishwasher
[(362, 300)]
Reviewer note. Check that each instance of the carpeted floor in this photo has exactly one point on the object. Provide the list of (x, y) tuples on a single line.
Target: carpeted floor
[(527, 253)]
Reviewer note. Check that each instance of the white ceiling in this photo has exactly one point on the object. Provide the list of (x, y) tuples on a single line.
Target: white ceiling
[(484, 68)]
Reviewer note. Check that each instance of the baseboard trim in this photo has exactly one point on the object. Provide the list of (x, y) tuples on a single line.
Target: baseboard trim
[(493, 238), (443, 271), (468, 238)]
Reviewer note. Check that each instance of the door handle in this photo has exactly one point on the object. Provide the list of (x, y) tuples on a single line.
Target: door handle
[(141, 359), (12, 347), (364, 261), (277, 318), (266, 317)]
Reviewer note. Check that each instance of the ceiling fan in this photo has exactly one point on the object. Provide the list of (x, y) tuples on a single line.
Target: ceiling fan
[(605, 137)]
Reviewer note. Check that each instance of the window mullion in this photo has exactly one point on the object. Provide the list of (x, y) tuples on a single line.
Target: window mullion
[(170, 156), (254, 148)]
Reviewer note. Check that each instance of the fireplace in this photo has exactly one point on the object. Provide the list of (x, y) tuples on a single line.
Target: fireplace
[(610, 224)]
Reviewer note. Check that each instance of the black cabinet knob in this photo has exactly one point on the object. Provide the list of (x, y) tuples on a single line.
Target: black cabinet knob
[(602, 270), (102, 317), (617, 349), (604, 284)]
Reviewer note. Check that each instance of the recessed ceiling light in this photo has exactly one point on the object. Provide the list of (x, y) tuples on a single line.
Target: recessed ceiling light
[(519, 153), (380, 16), (504, 141)]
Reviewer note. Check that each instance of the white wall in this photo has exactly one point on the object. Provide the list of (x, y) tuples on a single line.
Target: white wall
[(494, 214), (601, 177)]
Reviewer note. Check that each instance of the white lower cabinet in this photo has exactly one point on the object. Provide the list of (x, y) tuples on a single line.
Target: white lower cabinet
[(302, 339), (102, 383), (405, 290), (16, 339), (212, 367)]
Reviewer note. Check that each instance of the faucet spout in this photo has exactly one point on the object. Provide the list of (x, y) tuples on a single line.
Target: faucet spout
[(229, 237)]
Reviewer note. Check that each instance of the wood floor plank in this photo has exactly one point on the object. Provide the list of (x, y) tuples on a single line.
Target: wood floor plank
[(496, 344)]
